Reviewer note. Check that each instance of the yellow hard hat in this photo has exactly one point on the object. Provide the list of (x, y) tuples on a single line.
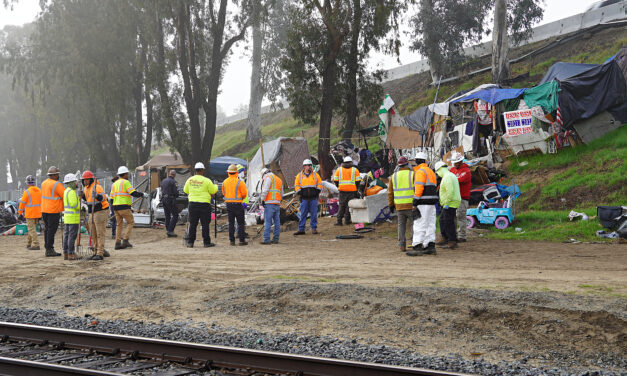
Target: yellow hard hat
[(232, 169)]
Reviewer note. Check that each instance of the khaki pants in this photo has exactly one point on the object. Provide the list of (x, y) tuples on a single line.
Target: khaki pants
[(31, 238), (98, 229), (127, 215), (461, 220)]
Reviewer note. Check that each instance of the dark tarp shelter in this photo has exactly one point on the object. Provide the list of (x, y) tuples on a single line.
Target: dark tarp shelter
[(561, 71), (592, 92), (218, 166), (419, 120)]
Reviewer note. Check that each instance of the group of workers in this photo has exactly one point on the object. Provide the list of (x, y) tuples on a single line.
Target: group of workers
[(56, 198), (414, 193)]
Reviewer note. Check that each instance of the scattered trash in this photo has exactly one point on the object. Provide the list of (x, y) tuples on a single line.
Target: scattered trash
[(518, 229), (521, 164), (563, 199), (573, 215), (607, 235), (94, 322)]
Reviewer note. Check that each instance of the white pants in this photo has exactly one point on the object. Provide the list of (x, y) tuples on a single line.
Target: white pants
[(424, 227)]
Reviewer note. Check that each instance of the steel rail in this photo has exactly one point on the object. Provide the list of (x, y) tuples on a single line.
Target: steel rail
[(212, 356), (12, 366)]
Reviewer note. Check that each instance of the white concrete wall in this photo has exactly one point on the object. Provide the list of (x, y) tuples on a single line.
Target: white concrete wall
[(553, 29)]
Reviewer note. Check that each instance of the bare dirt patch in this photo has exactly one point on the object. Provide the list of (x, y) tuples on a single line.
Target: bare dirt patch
[(544, 302)]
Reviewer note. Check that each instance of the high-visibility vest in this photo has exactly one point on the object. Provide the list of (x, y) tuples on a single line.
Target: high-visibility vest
[(304, 181), (30, 203), (90, 195), (425, 186), (347, 179), (199, 189), (52, 196), (72, 207), (121, 192), (234, 189), (274, 193), (403, 187)]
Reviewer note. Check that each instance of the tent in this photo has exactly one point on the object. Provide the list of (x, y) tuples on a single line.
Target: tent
[(169, 160), (284, 156), (159, 165), (561, 71), (218, 166)]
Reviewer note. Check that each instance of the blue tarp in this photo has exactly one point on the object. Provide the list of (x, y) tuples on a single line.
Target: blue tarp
[(492, 95), (218, 166), (561, 71)]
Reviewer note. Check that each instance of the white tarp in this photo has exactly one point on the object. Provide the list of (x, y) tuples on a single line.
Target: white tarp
[(285, 153)]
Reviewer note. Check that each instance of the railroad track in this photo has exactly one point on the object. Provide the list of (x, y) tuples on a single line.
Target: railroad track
[(38, 350)]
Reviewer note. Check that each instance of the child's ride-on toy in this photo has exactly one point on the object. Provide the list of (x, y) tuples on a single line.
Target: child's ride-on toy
[(499, 211)]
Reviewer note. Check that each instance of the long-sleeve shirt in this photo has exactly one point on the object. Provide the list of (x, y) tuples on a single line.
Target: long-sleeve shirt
[(449, 189), (169, 188), (464, 177), (267, 183)]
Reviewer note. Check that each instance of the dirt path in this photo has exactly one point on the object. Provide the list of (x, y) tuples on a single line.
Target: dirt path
[(359, 289)]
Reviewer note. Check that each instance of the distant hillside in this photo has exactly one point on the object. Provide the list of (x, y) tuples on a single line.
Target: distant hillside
[(415, 91)]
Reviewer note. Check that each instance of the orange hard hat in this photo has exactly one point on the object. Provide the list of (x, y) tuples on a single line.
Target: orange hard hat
[(87, 175)]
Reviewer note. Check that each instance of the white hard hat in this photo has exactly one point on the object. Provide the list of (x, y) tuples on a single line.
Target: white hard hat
[(307, 162), (439, 165), (69, 178), (264, 171), (348, 160), (199, 166), (122, 170), (456, 157), (421, 155)]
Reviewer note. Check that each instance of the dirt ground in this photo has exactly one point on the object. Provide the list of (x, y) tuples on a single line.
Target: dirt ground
[(496, 299)]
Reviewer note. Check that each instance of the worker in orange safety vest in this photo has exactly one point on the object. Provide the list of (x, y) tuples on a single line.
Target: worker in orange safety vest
[(52, 191), (346, 178), (234, 192), (30, 209)]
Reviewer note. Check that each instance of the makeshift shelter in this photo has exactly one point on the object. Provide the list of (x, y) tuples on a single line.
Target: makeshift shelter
[(160, 165), (562, 70), (284, 156), (218, 166)]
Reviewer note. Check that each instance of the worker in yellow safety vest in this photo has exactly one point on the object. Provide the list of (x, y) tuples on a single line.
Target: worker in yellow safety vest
[(71, 216), (121, 193), (234, 191), (346, 178), (400, 197), (199, 190), (30, 208)]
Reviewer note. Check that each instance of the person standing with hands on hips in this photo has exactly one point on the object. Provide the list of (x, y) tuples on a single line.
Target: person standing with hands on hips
[(308, 186), (199, 190)]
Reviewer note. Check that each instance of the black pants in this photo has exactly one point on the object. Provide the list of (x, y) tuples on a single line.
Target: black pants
[(51, 223), (199, 211), (171, 212), (343, 211), (236, 212), (447, 224)]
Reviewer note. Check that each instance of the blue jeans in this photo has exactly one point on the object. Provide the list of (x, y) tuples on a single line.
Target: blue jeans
[(308, 207), (272, 216)]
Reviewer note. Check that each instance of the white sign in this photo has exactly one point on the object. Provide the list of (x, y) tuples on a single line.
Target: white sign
[(518, 122)]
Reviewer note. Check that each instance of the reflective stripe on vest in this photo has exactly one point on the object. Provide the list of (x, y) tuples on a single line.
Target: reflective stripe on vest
[(300, 181), (71, 215), (400, 193), (54, 187), (121, 197), (29, 204), (426, 185), (273, 193), (236, 192), (347, 182)]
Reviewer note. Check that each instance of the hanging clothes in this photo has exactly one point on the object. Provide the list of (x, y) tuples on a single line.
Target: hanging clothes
[(470, 127)]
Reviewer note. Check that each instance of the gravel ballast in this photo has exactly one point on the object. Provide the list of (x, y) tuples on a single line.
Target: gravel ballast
[(294, 343)]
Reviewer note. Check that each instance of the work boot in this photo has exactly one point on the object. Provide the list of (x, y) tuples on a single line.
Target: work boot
[(71, 257), (442, 242), (451, 245), (27, 246), (35, 248), (275, 241), (338, 224), (65, 256), (126, 244), (417, 251), (299, 233), (170, 234), (461, 240), (349, 223), (96, 258), (430, 249), (106, 253), (403, 247), (118, 245), (232, 242), (266, 242), (209, 245), (314, 231), (52, 253), (243, 243), (190, 245)]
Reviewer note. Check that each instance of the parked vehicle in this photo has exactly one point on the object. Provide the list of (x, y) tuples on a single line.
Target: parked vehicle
[(157, 206)]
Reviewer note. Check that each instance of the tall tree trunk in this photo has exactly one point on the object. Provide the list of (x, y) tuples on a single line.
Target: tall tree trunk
[(253, 131), (431, 39), (326, 109), (3, 174), (150, 121), (500, 43), (139, 116), (353, 61)]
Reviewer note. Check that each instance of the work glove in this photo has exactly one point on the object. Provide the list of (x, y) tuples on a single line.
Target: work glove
[(445, 206), (99, 197), (392, 209), (146, 195), (263, 203), (415, 202), (416, 213), (244, 205), (21, 217)]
